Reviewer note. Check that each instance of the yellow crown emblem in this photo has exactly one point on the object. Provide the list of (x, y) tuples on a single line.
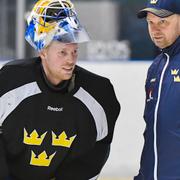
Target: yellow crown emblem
[(174, 71), (176, 79), (42, 159), (62, 140), (33, 138), (153, 1)]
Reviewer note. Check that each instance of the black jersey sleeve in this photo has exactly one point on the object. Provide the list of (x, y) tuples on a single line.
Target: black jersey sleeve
[(102, 90), (112, 108), (3, 163)]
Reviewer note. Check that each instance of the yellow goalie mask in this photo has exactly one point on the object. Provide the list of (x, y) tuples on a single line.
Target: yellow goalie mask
[(54, 20)]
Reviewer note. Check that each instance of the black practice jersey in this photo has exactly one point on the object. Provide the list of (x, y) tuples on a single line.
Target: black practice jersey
[(47, 131)]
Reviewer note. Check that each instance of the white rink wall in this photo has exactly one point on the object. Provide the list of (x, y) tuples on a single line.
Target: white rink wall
[(128, 79)]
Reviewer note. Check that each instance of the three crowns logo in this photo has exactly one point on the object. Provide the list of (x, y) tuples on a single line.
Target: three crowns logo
[(62, 140), (174, 71), (153, 1), (176, 79), (33, 138), (42, 159)]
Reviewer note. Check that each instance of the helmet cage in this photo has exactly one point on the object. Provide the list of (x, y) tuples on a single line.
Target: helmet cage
[(54, 20)]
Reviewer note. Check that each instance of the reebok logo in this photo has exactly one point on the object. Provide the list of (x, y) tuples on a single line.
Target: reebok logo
[(56, 109)]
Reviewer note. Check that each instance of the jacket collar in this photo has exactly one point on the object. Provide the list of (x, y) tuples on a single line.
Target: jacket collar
[(173, 49)]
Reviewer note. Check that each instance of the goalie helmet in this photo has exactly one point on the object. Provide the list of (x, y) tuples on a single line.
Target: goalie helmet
[(54, 20)]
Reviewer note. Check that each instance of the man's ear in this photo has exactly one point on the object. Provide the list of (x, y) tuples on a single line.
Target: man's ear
[(43, 54)]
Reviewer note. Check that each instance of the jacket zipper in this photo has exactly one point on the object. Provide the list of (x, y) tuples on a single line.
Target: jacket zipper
[(155, 118)]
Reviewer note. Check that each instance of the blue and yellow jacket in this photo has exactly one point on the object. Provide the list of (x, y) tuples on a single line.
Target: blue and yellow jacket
[(161, 153)]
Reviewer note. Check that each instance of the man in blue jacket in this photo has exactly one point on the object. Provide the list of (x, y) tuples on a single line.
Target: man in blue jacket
[(161, 153)]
